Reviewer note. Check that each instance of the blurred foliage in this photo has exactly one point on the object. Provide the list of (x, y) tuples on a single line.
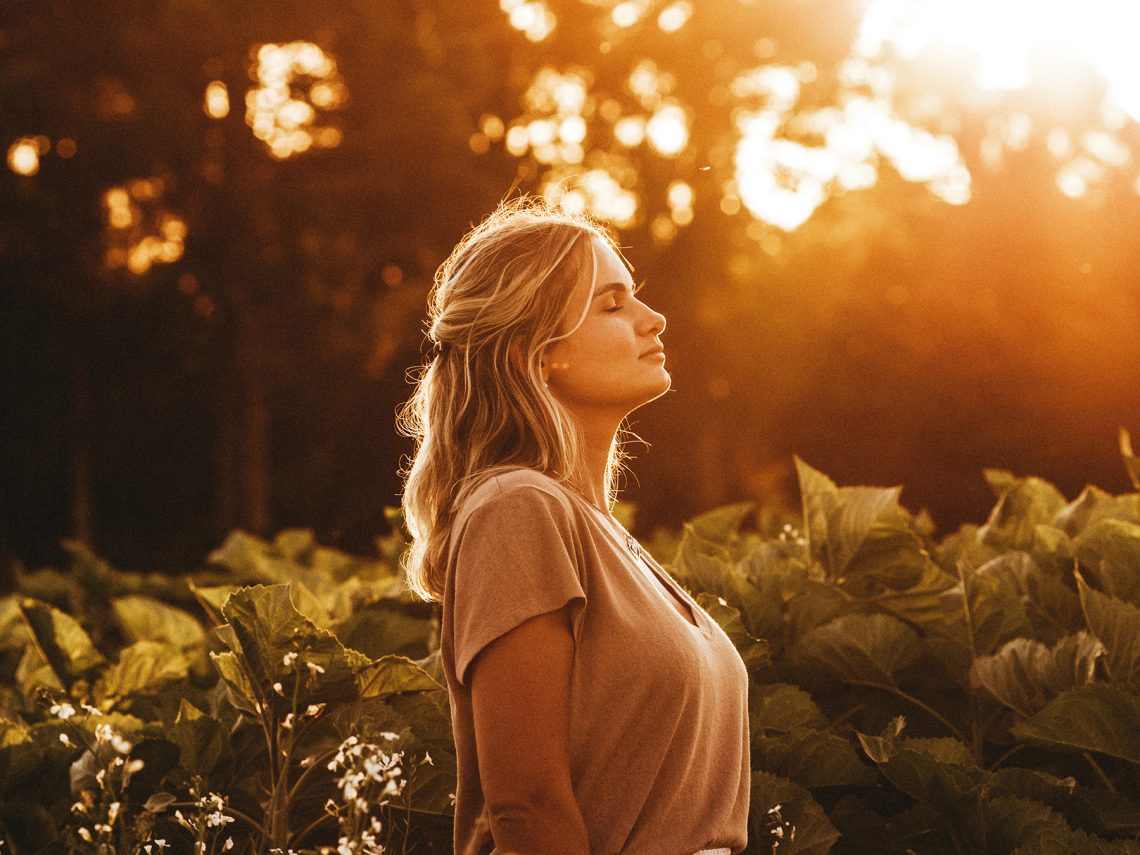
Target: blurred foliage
[(972, 694)]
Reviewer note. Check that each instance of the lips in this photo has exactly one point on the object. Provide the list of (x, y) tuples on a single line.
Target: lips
[(657, 351)]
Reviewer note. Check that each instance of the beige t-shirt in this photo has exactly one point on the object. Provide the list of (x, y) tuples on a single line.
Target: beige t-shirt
[(659, 749)]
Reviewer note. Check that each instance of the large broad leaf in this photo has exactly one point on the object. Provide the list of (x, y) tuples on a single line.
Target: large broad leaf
[(62, 641), (392, 675), (814, 834), (754, 651), (1095, 810), (1011, 822), (1023, 504), (860, 649), (390, 626), (1093, 505), (1091, 718), (720, 525), (780, 708), (1110, 552), (1131, 461), (1059, 840), (201, 739), (992, 611), (241, 691), (1025, 674), (819, 497), (811, 759), (923, 603), (1117, 624), (147, 619), (703, 566), (1050, 605), (271, 631), (144, 669), (874, 545)]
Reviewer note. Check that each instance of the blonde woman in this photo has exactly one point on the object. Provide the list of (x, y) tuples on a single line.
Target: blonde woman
[(596, 708)]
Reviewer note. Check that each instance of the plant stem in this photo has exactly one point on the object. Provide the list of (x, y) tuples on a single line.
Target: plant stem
[(1006, 756), (922, 705), (1099, 772)]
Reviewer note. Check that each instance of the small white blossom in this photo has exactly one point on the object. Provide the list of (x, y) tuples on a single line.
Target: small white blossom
[(287, 722), (113, 811), (62, 711), (84, 833), (63, 737), (279, 689), (289, 659), (315, 668)]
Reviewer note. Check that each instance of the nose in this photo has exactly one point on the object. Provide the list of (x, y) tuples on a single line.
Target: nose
[(657, 321)]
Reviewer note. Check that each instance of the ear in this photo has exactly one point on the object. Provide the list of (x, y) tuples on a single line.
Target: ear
[(518, 360)]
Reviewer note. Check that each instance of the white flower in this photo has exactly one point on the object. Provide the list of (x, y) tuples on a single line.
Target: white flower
[(289, 659), (229, 844), (287, 722), (279, 689), (63, 737), (315, 668), (113, 811), (428, 760), (391, 737), (63, 711), (135, 765), (314, 710), (84, 833)]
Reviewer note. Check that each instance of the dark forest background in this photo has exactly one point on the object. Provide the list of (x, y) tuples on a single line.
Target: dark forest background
[(253, 382)]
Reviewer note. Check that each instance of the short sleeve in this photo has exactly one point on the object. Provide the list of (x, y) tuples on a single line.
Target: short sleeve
[(516, 558)]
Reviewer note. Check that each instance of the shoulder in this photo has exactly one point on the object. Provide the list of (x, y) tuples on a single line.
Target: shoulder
[(515, 487)]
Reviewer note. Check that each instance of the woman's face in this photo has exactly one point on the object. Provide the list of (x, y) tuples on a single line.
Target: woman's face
[(613, 362)]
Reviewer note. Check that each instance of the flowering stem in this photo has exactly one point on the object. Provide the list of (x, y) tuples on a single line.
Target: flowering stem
[(244, 817)]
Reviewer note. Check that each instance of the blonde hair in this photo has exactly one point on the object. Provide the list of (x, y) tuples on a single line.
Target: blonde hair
[(480, 404)]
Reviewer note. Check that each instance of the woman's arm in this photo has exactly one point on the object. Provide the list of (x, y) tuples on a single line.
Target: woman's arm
[(520, 697)]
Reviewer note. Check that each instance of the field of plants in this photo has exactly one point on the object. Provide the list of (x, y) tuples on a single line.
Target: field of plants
[(974, 693)]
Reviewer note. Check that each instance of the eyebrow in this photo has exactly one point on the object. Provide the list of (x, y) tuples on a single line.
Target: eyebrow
[(611, 286)]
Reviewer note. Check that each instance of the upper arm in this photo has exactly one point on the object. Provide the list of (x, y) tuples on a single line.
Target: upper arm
[(520, 694)]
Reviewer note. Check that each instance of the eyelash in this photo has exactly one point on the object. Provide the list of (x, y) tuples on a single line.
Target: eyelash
[(617, 307)]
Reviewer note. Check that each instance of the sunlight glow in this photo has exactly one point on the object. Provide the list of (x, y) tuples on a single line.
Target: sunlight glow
[(24, 156), (1011, 40), (789, 161), (295, 82), (140, 231), (534, 18), (674, 16), (668, 130), (217, 102), (598, 190)]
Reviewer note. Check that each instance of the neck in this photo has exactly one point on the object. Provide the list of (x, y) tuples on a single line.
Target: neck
[(598, 435)]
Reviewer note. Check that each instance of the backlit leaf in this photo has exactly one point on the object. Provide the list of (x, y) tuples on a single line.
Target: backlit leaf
[(1110, 552), (1117, 625), (861, 649), (65, 645), (814, 833), (1025, 674), (147, 619), (811, 759), (1090, 718), (782, 707)]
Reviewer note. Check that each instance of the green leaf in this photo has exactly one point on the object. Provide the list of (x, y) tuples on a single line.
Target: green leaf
[(754, 651), (865, 514), (1051, 607), (1090, 718), (391, 675), (814, 833), (1059, 840), (811, 759), (923, 603), (993, 612), (1117, 624), (201, 739), (721, 525), (1023, 504), (1110, 552), (242, 694), (62, 641), (1093, 505), (1025, 674), (144, 669), (780, 708), (861, 649), (268, 626), (390, 626), (147, 619), (819, 497), (1131, 461), (1011, 822)]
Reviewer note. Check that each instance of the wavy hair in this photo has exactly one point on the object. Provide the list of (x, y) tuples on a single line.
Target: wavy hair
[(480, 404)]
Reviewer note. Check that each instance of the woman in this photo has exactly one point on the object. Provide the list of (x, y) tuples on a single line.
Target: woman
[(596, 708)]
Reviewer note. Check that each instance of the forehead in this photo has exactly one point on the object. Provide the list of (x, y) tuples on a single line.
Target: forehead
[(611, 268)]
